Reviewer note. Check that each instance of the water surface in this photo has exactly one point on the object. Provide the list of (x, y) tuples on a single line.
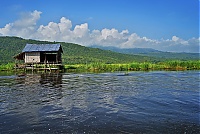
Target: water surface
[(140, 102)]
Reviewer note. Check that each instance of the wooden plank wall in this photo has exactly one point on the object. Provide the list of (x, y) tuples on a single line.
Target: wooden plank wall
[(32, 57)]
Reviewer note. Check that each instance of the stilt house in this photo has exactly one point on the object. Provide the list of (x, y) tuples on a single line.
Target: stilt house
[(41, 53)]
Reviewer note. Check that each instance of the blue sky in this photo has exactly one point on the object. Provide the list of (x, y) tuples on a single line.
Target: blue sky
[(167, 25)]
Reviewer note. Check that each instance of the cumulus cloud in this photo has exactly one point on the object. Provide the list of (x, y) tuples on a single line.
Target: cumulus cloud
[(23, 27), (26, 27)]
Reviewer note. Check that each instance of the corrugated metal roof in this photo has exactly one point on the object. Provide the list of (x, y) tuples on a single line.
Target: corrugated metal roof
[(41, 47)]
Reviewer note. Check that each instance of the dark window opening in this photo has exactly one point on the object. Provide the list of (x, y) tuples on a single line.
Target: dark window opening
[(48, 58)]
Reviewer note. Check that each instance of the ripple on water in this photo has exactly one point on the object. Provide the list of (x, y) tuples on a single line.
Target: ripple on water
[(140, 102)]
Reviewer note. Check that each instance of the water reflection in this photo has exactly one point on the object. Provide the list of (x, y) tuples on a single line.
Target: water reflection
[(153, 102), (27, 95), (53, 79)]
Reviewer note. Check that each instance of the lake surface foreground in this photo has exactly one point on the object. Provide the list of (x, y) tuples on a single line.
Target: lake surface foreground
[(138, 102)]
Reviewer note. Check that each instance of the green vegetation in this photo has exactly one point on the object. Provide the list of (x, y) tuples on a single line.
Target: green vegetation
[(76, 57), (136, 66), (72, 53), (11, 46), (7, 67)]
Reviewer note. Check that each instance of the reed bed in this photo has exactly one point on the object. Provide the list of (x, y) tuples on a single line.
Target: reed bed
[(7, 67), (136, 66)]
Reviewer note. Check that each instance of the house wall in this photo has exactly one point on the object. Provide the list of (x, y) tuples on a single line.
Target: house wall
[(32, 57)]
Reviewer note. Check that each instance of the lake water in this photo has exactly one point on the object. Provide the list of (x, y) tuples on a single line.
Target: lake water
[(140, 102)]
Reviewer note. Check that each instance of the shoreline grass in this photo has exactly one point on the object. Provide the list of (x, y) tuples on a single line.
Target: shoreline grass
[(172, 65), (7, 67), (136, 66)]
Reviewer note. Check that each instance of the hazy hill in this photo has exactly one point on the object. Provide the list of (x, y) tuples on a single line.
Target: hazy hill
[(73, 53), (153, 53)]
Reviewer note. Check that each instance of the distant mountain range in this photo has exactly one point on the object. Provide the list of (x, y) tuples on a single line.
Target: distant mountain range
[(153, 53)]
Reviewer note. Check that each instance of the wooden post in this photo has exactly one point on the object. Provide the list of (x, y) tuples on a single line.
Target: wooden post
[(57, 58), (32, 66), (49, 67), (25, 67), (15, 65)]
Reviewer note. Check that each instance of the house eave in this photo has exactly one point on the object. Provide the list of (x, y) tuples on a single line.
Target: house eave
[(19, 56)]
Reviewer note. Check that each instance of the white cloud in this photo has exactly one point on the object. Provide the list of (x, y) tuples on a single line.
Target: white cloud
[(26, 27), (28, 19), (80, 31), (23, 27), (177, 40), (174, 38)]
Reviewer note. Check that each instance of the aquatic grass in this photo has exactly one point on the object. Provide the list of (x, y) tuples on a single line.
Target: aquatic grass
[(7, 67), (186, 65), (136, 66)]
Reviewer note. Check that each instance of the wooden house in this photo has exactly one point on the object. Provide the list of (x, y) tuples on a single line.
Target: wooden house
[(41, 53)]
